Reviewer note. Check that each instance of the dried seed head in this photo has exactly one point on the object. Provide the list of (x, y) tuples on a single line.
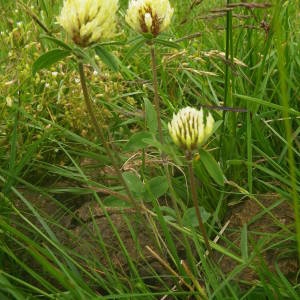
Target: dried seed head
[(149, 16), (88, 21), (189, 128)]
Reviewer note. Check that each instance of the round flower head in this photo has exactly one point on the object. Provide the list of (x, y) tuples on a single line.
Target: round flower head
[(88, 21), (189, 129), (149, 16)]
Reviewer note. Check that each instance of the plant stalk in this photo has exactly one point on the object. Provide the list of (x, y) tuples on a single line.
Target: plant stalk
[(100, 133), (159, 125), (173, 195), (227, 85), (189, 158), (155, 87)]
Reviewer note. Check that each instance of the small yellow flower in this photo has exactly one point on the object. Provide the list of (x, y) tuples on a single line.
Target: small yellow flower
[(88, 21), (149, 16), (189, 129)]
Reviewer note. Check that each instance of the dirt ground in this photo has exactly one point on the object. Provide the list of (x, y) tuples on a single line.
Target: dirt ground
[(265, 220), (85, 220)]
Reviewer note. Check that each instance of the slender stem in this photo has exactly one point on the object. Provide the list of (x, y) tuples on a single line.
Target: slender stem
[(195, 200), (249, 150), (156, 96), (227, 100), (173, 195), (197, 285), (100, 133), (161, 139)]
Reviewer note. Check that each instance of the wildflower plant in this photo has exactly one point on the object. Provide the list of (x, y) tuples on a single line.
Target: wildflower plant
[(146, 16), (189, 129), (150, 18), (88, 21)]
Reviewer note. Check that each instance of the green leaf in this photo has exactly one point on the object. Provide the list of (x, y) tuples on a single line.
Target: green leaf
[(148, 36), (49, 58), (268, 104), (212, 167), (134, 48), (151, 117), (135, 185), (156, 187), (167, 43), (169, 213), (56, 41), (44, 7), (169, 219), (190, 218), (166, 210), (112, 43), (244, 242), (9, 289), (113, 201), (217, 125), (154, 143), (108, 58), (136, 142)]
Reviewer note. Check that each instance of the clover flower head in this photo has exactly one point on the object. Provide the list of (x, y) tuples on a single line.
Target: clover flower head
[(88, 21), (189, 128), (149, 16)]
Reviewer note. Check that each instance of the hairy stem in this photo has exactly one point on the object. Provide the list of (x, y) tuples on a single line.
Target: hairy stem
[(100, 133)]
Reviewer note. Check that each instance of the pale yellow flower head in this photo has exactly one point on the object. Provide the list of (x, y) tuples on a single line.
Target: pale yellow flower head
[(189, 128), (88, 21), (149, 16)]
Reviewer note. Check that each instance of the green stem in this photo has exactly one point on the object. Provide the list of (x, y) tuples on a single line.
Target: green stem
[(161, 139), (249, 150), (156, 96), (227, 100), (173, 195), (195, 199), (100, 133)]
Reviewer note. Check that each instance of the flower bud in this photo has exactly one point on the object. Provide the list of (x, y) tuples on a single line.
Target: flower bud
[(88, 21), (189, 129), (149, 16)]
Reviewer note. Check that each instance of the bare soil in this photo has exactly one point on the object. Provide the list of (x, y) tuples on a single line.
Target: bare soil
[(267, 220), (80, 228)]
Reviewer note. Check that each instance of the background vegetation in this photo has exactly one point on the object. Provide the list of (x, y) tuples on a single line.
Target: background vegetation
[(67, 230)]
